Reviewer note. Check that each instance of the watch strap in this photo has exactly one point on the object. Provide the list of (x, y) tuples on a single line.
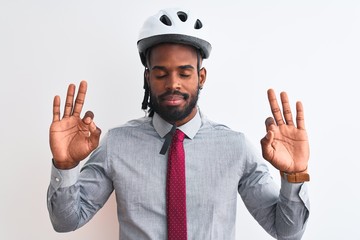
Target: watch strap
[(295, 177)]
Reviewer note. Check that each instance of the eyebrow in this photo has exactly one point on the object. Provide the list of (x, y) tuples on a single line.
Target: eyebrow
[(183, 67)]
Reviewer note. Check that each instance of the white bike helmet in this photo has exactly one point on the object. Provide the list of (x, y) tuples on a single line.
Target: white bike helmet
[(173, 26)]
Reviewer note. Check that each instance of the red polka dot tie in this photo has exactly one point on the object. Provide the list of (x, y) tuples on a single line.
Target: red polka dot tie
[(176, 189)]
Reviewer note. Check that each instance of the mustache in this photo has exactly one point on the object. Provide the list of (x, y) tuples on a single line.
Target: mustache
[(174, 92)]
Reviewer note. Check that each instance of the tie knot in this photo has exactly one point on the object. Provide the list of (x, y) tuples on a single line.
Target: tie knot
[(178, 136)]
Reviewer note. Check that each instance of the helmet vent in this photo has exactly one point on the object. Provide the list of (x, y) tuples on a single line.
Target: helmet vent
[(165, 20), (198, 24), (182, 16)]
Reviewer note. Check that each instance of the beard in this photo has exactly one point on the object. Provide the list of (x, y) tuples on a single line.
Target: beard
[(173, 114)]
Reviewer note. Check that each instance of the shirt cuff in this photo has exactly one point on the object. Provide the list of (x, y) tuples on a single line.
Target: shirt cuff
[(64, 178), (293, 191)]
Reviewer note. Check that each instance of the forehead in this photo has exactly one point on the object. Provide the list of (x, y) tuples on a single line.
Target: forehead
[(166, 52)]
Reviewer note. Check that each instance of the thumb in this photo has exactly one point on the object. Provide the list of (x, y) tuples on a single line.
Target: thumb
[(94, 137), (266, 145), (94, 131), (267, 139)]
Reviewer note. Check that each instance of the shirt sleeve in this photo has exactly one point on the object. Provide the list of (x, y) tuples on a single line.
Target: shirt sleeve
[(296, 192), (282, 212), (74, 196), (63, 178)]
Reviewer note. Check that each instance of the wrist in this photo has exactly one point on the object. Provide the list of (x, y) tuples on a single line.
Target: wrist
[(64, 165)]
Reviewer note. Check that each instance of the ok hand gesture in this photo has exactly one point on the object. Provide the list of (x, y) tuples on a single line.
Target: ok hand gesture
[(285, 144), (72, 139)]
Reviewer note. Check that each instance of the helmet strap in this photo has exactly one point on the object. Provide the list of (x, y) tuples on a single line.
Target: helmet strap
[(145, 101)]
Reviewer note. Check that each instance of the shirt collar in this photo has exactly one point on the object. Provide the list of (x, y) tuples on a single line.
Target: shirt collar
[(190, 129)]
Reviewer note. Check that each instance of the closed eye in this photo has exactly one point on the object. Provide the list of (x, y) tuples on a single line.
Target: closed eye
[(161, 76), (185, 75)]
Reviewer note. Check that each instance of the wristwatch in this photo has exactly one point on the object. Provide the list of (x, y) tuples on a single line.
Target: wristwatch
[(295, 177)]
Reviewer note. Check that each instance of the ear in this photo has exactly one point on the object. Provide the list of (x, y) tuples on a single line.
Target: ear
[(202, 77), (147, 76)]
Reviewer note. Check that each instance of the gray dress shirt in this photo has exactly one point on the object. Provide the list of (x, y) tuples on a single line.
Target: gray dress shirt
[(220, 164)]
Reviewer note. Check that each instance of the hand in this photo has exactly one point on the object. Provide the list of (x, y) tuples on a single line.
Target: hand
[(285, 145), (72, 139)]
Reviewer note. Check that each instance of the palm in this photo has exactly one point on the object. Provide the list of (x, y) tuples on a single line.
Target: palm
[(285, 146), (290, 149), (71, 138)]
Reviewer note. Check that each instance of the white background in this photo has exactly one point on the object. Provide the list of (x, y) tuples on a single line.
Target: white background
[(309, 48)]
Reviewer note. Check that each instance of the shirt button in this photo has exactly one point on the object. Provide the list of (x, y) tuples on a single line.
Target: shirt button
[(57, 179)]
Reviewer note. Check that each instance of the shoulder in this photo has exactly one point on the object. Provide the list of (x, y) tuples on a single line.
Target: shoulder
[(219, 128), (140, 125), (229, 142), (134, 123)]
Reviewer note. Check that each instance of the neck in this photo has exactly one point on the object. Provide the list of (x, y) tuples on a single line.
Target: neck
[(186, 119)]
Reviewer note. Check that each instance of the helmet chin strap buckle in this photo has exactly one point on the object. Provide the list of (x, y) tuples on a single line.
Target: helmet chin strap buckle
[(167, 141)]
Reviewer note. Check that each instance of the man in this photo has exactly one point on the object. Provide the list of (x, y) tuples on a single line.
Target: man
[(135, 159)]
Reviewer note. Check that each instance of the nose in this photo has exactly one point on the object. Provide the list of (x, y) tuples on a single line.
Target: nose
[(173, 82)]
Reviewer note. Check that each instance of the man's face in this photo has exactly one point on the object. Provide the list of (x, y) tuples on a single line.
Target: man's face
[(174, 82)]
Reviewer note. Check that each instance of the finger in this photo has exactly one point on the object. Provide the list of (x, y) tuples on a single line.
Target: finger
[(275, 109), (286, 108), (88, 117), (69, 100), (269, 124), (80, 98), (300, 119), (56, 109)]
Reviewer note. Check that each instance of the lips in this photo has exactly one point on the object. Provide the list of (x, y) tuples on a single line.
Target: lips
[(173, 99)]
